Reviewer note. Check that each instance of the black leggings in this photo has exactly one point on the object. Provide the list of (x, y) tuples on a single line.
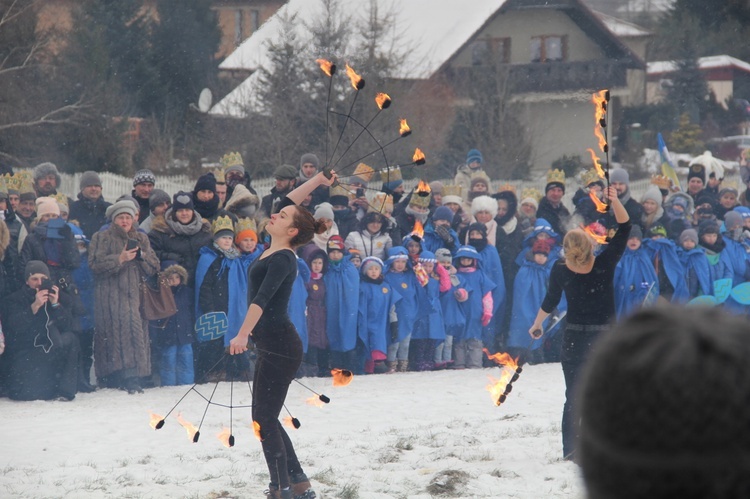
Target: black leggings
[(275, 367)]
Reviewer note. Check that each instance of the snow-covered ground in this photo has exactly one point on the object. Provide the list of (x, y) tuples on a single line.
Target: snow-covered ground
[(409, 435)]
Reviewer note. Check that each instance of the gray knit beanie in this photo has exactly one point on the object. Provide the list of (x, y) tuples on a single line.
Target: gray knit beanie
[(88, 179), (158, 197)]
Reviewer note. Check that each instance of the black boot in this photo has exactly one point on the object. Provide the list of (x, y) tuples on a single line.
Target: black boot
[(131, 385)]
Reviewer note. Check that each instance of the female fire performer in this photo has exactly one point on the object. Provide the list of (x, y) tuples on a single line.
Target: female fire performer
[(588, 285), (279, 348)]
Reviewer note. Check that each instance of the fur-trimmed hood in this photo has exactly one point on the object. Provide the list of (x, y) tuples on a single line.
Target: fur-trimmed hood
[(159, 224), (176, 269), (242, 199), (4, 239)]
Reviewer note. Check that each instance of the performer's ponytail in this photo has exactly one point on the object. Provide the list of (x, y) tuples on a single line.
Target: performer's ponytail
[(578, 248), (306, 227)]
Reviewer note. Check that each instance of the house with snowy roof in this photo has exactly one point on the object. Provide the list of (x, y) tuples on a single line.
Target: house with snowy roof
[(556, 53)]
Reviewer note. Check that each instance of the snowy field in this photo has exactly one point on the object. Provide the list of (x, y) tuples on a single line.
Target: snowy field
[(409, 435)]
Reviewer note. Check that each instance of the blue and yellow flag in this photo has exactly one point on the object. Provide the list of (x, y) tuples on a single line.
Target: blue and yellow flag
[(667, 166)]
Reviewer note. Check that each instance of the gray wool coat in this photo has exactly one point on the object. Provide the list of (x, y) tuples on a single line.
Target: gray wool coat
[(121, 338)]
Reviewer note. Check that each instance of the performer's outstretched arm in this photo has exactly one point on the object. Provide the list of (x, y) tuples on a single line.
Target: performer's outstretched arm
[(300, 193)]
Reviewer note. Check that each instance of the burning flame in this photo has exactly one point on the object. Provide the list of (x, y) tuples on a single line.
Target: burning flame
[(597, 165), (591, 230), (256, 430), (423, 188), (383, 100), (341, 377), (291, 422), (601, 206), (226, 437), (327, 66), (600, 108), (404, 129), (418, 157), (502, 359), (156, 421), (499, 388), (315, 400), (357, 82), (192, 431), (418, 231)]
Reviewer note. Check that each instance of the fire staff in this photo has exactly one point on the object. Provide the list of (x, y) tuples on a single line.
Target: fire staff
[(588, 285), (278, 345)]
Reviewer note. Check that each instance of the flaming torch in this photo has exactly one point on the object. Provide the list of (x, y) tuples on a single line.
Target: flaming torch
[(383, 101), (511, 371), (404, 130), (357, 81), (226, 437), (292, 422), (256, 431), (192, 431), (597, 232), (418, 157), (328, 67), (156, 421), (341, 377)]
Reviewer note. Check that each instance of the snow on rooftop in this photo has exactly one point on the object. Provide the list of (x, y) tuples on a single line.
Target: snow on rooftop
[(711, 62), (657, 6), (621, 28)]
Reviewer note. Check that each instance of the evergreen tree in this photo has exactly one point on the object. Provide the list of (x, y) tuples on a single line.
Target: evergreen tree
[(686, 139)]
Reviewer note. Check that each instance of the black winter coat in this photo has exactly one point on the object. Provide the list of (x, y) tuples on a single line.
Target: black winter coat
[(180, 248), (214, 293), (178, 329), (89, 214), (33, 249)]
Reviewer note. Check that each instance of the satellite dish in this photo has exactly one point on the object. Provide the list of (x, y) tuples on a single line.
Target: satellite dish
[(205, 100)]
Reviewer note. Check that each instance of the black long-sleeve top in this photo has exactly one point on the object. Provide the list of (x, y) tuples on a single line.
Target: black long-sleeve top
[(270, 285), (591, 297)]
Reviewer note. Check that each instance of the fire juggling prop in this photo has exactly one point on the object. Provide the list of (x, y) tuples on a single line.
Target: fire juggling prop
[(383, 102), (341, 377), (600, 100)]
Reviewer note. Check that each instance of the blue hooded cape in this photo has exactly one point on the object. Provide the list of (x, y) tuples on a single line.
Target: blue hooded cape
[(634, 276), (342, 301), (297, 309), (431, 327), (698, 275), (529, 290), (738, 258), (541, 225), (237, 280), (373, 325), (666, 250), (476, 284)]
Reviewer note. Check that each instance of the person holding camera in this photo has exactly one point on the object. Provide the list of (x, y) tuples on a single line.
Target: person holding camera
[(43, 353), (119, 257)]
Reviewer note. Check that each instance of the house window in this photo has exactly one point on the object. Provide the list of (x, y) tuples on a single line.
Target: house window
[(490, 50), (547, 48), (238, 36), (255, 19)]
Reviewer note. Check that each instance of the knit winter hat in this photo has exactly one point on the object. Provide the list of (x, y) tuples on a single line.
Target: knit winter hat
[(285, 172), (479, 179), (121, 206), (652, 193), (707, 227), (334, 243), (234, 169), (436, 187), (698, 171), (732, 220), (728, 190), (309, 158), (636, 232), (46, 206), (474, 155), (443, 213), (144, 176), (742, 210), (370, 261), (532, 201), (651, 429), (157, 198), (323, 210), (657, 230), (44, 169), (478, 227), (680, 201), (443, 255), (621, 175), (427, 257), (88, 179), (206, 182), (182, 201), (35, 267), (689, 235)]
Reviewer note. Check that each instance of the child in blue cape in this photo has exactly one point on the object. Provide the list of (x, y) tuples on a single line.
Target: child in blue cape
[(84, 281), (694, 264), (221, 286), (342, 300), (666, 263), (401, 277), (529, 290), (377, 313), (298, 313), (453, 315), (635, 279), (474, 293), (542, 230), (247, 243), (712, 243), (175, 334), (734, 237), (430, 330)]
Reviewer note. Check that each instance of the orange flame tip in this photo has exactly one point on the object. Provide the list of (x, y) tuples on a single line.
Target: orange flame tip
[(256, 430), (423, 188), (289, 423), (599, 238), (418, 157), (601, 206), (404, 129), (156, 421), (341, 377), (502, 358), (226, 437), (328, 67), (600, 108), (315, 400), (357, 82), (383, 100), (418, 229), (597, 165), (189, 427)]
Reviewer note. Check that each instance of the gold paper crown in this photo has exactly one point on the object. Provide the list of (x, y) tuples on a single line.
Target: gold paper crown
[(531, 192), (60, 198), (219, 176), (339, 190), (661, 182), (384, 200), (246, 224), (364, 172), (222, 223), (452, 190), (589, 177), (231, 159), (556, 176), (729, 184), (12, 182), (25, 184), (507, 187), (421, 195), (390, 174)]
